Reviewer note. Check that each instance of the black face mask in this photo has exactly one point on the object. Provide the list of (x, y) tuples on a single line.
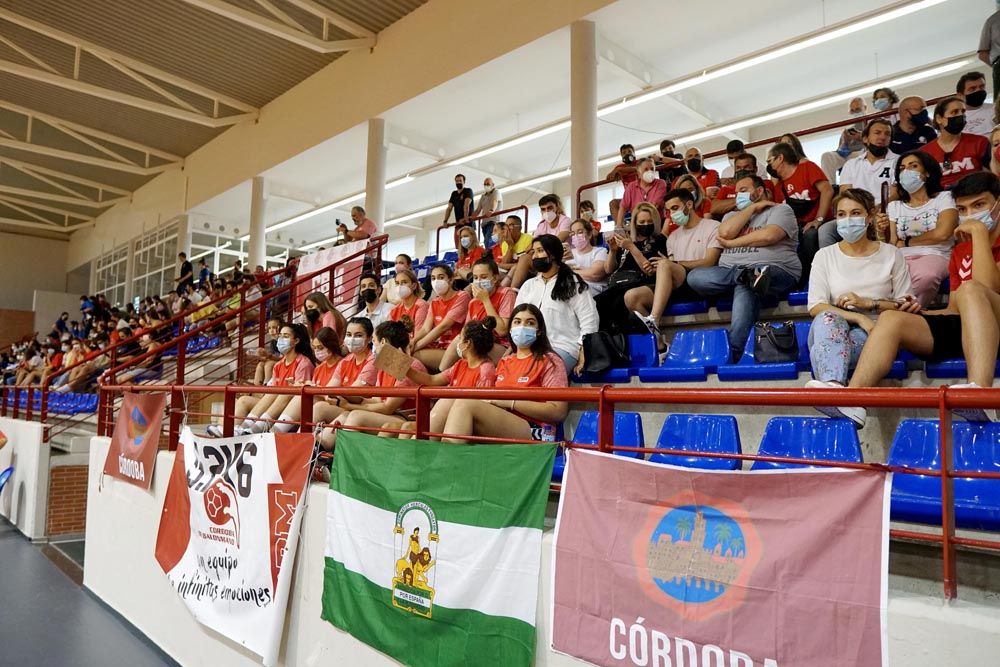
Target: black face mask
[(694, 164), (645, 231), (312, 314), (878, 151), (920, 119), (459, 186), (541, 264), (976, 99), (369, 295), (955, 124), (772, 172), (628, 159)]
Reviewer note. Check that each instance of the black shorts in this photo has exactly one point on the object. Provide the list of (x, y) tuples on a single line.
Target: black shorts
[(683, 294), (946, 330)]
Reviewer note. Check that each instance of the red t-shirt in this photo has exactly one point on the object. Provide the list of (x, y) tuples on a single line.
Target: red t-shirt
[(470, 258), (383, 379), (709, 178), (322, 374), (497, 251), (514, 372), (503, 300), (300, 370), (960, 265), (971, 154), (801, 193), (462, 375), (350, 373), (456, 309), (417, 312)]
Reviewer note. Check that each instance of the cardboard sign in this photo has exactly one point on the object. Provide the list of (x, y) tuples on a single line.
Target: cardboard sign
[(392, 361)]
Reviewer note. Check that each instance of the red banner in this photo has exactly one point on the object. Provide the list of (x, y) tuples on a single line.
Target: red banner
[(657, 565), (132, 454)]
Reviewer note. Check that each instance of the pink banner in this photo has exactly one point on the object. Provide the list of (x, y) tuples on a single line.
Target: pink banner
[(662, 566)]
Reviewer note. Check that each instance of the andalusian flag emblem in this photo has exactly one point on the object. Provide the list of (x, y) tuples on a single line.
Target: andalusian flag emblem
[(433, 550)]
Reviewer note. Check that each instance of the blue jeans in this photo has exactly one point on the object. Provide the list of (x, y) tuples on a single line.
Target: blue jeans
[(717, 280), (488, 235)]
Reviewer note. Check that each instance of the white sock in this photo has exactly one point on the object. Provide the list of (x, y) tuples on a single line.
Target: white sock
[(283, 427), (258, 426), (249, 422)]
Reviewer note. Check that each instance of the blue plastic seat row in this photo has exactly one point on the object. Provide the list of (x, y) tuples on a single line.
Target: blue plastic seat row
[(59, 403)]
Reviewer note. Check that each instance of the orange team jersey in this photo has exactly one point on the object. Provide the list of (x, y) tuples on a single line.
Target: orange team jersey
[(457, 309), (513, 372), (470, 258), (417, 312), (385, 380), (322, 374), (462, 375), (284, 373), (350, 373), (503, 300)]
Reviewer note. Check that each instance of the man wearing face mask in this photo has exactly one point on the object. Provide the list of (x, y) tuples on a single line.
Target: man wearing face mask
[(371, 305), (647, 188), (978, 113), (669, 154), (708, 179), (625, 171), (850, 142), (490, 202), (875, 167), (460, 201), (912, 130), (734, 150)]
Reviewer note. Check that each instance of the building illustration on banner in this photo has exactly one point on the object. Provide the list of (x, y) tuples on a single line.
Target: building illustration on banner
[(412, 590)]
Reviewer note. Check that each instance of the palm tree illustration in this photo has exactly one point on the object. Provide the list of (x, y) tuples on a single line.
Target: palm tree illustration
[(684, 527), (723, 533)]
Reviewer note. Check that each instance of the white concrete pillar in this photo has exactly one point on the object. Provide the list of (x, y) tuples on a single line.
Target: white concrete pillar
[(130, 272), (582, 107), (375, 173), (258, 234), (184, 235)]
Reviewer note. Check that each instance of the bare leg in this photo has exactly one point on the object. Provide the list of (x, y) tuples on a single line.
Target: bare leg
[(439, 415), (405, 426), (980, 310), (450, 356), (472, 417), (244, 405), (277, 406), (366, 419), (893, 331), (668, 276), (431, 358), (639, 299), (520, 272)]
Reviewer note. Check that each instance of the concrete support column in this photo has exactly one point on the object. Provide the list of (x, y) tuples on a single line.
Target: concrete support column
[(184, 234), (375, 173), (130, 272), (582, 107), (258, 234)]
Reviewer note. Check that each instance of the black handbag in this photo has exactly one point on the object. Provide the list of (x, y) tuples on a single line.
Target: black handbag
[(775, 342), (625, 278), (603, 351)]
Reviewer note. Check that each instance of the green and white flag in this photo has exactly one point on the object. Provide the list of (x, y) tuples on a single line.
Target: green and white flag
[(433, 550)]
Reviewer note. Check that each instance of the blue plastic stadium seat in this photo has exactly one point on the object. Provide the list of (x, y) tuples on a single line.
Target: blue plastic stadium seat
[(687, 308), (423, 272), (628, 433), (808, 438), (917, 498), (798, 298), (748, 369), (693, 355), (699, 433), (724, 304), (450, 257), (951, 368)]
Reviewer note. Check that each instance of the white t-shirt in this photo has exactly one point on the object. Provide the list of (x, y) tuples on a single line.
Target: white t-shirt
[(586, 260), (689, 245), (882, 275), (858, 172), (979, 121), (913, 221)]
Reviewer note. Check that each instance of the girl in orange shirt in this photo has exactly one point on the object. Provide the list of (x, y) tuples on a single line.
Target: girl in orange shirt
[(411, 303), (469, 252), (326, 349), (532, 364), (448, 313), (357, 369)]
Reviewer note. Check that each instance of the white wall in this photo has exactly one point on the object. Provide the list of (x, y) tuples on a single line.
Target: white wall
[(24, 499), (48, 306), (28, 264)]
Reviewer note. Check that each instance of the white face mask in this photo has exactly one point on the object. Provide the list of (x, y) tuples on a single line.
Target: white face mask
[(440, 286), (549, 216), (404, 291), (648, 176), (488, 188)]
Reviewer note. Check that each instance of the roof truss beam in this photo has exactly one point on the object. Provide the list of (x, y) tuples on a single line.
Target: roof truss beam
[(46, 175), (332, 18), (85, 159), (23, 204), (55, 198)]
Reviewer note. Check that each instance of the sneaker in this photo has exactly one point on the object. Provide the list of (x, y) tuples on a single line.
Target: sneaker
[(761, 282), (857, 415), (214, 430), (241, 431), (650, 323), (973, 414)]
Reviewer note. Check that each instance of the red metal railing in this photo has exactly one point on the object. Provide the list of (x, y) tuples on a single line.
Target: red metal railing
[(479, 219), (942, 399)]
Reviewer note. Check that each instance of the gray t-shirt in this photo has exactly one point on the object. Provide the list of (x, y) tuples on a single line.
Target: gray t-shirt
[(989, 40), (782, 254)]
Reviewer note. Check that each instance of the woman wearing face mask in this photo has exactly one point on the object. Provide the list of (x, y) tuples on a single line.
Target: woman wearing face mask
[(957, 152), (852, 282), (586, 260), (884, 99), (410, 303), (648, 188), (702, 204), (469, 252), (921, 223), (403, 263), (326, 349), (563, 298), (532, 363), (380, 411), (295, 367), (448, 311), (370, 303), (319, 312), (630, 265), (489, 299), (356, 369)]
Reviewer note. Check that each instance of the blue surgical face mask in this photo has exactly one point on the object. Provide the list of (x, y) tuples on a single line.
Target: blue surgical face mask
[(743, 200), (852, 229), (466, 242), (911, 180), (523, 336), (680, 217), (284, 345), (485, 285), (985, 218), (881, 103)]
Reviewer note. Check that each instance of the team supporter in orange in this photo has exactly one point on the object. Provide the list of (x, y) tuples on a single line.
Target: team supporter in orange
[(357, 369), (326, 349), (411, 304), (449, 310), (959, 153), (384, 411), (320, 312), (531, 364), (294, 368), (489, 299), (469, 252)]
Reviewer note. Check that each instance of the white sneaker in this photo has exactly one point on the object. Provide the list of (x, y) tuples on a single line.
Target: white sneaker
[(973, 414), (214, 430), (857, 415), (650, 323), (241, 431)]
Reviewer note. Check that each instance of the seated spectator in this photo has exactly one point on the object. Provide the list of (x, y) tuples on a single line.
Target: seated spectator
[(912, 130), (884, 99), (587, 210), (631, 267), (921, 223), (994, 155), (851, 283), (625, 170), (71, 358), (563, 297), (490, 202), (971, 87), (371, 304), (151, 365), (702, 204), (403, 263), (849, 146), (513, 246), (295, 367), (356, 369), (554, 218), (725, 201), (793, 141), (803, 186), (969, 326), (448, 311), (326, 349), (645, 189), (364, 228), (469, 252), (532, 363), (411, 303), (379, 412), (669, 156), (319, 312), (31, 364), (708, 179), (958, 152), (736, 149), (268, 355), (52, 357), (489, 299), (585, 259), (758, 259)]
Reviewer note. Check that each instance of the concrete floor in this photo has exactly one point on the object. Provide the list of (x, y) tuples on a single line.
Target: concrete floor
[(47, 618)]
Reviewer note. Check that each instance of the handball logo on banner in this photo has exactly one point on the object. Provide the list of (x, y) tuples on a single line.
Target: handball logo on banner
[(412, 589), (697, 557), (222, 507)]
